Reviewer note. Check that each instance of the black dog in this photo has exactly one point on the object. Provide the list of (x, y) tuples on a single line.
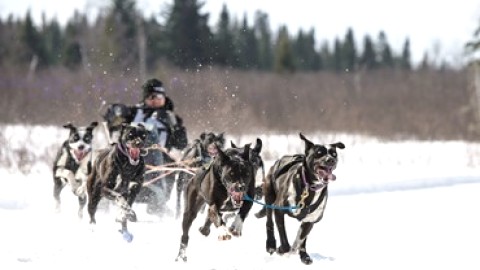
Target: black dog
[(73, 163), (222, 186), (117, 175), (257, 163), (200, 153), (299, 183)]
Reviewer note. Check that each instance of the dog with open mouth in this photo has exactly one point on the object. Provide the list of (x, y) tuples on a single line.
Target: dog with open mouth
[(222, 186), (73, 163), (200, 153), (117, 174), (297, 186), (257, 163)]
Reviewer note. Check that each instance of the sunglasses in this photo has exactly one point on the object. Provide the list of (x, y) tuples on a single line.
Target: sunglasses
[(156, 96)]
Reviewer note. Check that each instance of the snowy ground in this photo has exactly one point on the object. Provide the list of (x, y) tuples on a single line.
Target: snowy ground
[(395, 205)]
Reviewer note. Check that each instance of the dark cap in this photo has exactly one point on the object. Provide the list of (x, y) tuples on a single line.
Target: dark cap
[(152, 86)]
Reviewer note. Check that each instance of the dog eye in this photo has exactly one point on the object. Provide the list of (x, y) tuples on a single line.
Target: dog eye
[(76, 137), (87, 138)]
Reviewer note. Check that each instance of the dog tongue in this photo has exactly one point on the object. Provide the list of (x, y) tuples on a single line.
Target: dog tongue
[(79, 154), (237, 196), (134, 152), (325, 175)]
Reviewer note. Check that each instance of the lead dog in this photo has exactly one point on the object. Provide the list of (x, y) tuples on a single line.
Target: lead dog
[(117, 175), (299, 183), (73, 163), (222, 186)]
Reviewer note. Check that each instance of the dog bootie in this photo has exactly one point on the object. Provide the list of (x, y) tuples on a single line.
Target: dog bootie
[(127, 236)]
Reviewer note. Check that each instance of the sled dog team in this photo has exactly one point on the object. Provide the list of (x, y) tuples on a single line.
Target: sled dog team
[(210, 175)]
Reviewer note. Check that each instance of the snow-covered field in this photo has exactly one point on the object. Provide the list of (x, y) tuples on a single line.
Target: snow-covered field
[(395, 205)]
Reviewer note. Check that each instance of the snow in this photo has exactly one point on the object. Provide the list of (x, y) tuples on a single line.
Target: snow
[(394, 205)]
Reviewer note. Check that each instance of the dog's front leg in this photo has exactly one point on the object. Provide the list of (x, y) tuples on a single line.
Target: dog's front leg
[(214, 215), (237, 225), (301, 242), (280, 221), (205, 229)]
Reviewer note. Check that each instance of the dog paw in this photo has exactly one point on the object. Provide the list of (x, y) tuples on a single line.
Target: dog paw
[(204, 230), (305, 258), (224, 237), (283, 249), (271, 250), (182, 253), (235, 232), (261, 214), (127, 236)]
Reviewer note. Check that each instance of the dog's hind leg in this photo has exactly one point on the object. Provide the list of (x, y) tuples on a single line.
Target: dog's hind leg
[(301, 242), (82, 200), (262, 213), (193, 202), (180, 184), (271, 241), (94, 196)]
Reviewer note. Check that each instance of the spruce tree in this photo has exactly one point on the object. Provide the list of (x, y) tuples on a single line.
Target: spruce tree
[(368, 58), (224, 47), (34, 43), (265, 47), (284, 61), (405, 62), (188, 34), (384, 51), (349, 53)]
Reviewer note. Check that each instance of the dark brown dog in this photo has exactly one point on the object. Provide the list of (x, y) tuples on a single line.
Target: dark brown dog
[(222, 186), (298, 186), (117, 175), (200, 153)]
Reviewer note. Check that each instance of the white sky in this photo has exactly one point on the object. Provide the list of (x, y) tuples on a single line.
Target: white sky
[(428, 220), (439, 27)]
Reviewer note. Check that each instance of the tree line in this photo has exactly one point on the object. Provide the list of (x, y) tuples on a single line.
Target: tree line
[(122, 39)]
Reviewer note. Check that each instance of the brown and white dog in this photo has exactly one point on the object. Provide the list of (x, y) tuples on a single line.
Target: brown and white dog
[(117, 174), (298, 187), (73, 163)]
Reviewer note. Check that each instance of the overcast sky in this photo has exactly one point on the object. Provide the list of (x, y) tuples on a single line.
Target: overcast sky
[(439, 27)]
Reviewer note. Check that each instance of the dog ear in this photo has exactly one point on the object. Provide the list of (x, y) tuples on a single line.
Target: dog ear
[(246, 152), (222, 157), (68, 125), (72, 128), (233, 144), (258, 146), (339, 145), (308, 144), (221, 139), (92, 125), (202, 136), (122, 128)]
